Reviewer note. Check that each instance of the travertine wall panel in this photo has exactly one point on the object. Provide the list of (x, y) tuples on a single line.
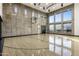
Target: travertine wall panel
[(18, 23)]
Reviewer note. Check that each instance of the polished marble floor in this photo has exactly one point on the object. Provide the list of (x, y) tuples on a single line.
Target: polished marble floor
[(41, 45)]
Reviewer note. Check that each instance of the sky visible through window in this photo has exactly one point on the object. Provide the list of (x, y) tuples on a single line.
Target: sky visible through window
[(51, 19), (58, 18), (67, 16)]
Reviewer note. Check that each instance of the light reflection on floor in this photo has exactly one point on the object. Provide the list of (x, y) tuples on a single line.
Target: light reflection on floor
[(41, 45), (60, 45)]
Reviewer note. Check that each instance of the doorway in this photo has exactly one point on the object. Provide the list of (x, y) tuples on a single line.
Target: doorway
[(43, 29)]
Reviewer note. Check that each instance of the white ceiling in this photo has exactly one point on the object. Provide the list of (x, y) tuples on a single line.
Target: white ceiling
[(48, 6)]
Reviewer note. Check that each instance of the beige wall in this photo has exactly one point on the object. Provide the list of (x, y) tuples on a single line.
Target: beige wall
[(0, 9), (19, 24), (76, 19)]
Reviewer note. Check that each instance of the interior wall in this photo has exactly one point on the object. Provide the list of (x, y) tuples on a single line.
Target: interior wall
[(76, 19), (21, 24), (1, 9)]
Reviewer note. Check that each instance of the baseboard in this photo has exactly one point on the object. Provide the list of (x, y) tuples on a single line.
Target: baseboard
[(39, 34), (19, 35)]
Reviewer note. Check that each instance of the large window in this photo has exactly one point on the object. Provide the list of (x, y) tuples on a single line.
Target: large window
[(58, 17), (58, 27), (51, 28), (62, 22), (67, 16), (68, 27), (51, 19)]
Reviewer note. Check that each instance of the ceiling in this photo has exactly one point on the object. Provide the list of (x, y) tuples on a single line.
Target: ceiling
[(47, 7)]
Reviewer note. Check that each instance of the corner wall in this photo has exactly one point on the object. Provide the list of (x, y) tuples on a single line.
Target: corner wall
[(1, 9), (76, 19)]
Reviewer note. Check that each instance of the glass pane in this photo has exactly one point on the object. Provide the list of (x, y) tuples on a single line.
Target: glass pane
[(67, 15), (51, 28), (58, 18), (58, 27), (68, 27), (51, 19)]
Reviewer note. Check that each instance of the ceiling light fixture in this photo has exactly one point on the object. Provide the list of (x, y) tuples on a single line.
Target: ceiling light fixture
[(51, 5)]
